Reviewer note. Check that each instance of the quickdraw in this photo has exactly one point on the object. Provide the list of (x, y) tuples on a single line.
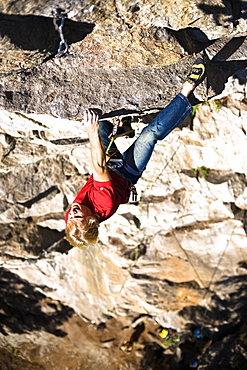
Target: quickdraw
[(133, 193), (113, 135), (60, 15)]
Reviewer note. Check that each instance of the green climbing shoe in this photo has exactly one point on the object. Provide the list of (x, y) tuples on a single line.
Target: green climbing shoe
[(197, 72)]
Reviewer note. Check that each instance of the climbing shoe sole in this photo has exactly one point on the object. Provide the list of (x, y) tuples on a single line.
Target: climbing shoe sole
[(197, 72)]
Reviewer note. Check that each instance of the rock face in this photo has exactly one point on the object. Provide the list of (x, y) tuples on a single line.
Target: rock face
[(133, 47), (178, 254)]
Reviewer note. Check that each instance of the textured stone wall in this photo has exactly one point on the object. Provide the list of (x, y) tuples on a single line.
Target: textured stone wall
[(140, 53), (174, 253)]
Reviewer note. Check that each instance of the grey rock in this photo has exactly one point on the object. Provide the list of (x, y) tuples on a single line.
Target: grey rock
[(178, 254)]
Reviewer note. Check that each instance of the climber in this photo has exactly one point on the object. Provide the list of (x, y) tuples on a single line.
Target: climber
[(111, 181)]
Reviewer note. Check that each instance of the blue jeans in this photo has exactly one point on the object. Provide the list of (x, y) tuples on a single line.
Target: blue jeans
[(138, 154)]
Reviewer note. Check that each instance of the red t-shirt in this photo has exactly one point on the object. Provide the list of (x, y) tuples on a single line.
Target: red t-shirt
[(103, 198)]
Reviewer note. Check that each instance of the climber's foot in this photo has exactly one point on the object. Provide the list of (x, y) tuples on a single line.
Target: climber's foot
[(197, 72)]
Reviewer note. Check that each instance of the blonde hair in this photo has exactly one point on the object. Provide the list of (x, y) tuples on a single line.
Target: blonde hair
[(83, 235)]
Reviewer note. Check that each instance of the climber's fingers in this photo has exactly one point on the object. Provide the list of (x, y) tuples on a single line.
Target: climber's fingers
[(90, 121)]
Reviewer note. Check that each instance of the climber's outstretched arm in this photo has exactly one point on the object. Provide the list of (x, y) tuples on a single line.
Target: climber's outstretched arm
[(90, 125)]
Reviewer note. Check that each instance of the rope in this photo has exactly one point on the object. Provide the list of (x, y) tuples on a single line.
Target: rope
[(112, 140), (188, 257), (220, 259)]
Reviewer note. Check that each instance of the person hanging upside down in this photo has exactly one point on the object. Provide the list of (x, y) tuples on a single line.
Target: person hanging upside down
[(111, 181)]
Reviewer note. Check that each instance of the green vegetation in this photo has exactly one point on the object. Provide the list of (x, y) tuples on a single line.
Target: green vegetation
[(203, 171), (15, 351), (216, 105), (195, 109)]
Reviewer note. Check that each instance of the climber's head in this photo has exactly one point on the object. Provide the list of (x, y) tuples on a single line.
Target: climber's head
[(82, 226)]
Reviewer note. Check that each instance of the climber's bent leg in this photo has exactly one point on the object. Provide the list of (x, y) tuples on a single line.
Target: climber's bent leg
[(139, 153)]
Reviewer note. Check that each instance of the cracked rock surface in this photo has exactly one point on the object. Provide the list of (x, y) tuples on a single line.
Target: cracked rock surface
[(174, 259)]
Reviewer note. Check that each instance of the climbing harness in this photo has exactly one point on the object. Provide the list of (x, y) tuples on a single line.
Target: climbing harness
[(59, 15), (115, 163)]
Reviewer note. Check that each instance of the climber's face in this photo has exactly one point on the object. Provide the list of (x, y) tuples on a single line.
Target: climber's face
[(79, 213)]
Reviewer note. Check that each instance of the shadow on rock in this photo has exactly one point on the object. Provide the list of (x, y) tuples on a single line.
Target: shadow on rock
[(219, 72), (233, 9), (23, 308), (33, 239), (193, 40), (227, 314), (38, 33)]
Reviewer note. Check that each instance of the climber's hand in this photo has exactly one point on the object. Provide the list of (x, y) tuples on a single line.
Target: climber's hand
[(90, 122)]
